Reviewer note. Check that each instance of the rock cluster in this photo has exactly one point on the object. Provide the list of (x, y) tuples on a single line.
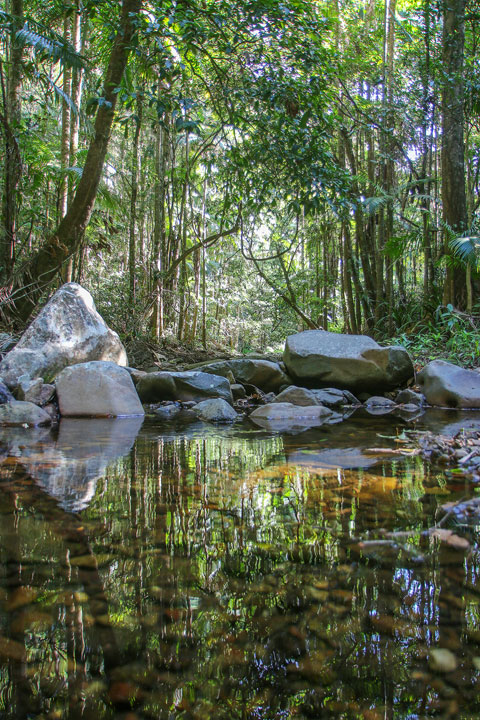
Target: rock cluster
[(70, 363)]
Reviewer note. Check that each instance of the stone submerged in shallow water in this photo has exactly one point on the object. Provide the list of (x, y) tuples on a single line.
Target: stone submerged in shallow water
[(18, 412), (67, 331), (215, 410), (97, 389), (447, 385), (352, 362)]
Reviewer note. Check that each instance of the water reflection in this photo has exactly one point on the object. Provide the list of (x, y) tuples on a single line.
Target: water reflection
[(235, 574), (68, 462)]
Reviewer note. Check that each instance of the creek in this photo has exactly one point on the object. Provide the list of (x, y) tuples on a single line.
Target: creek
[(197, 571)]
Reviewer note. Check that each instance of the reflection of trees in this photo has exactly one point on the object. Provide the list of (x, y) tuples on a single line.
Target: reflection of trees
[(50, 661), (221, 581)]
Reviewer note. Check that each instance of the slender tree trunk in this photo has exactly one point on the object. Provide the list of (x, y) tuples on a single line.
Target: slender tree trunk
[(182, 286), (44, 266), (453, 166), (10, 121), (66, 129), (132, 242), (159, 233), (204, 279), (78, 42)]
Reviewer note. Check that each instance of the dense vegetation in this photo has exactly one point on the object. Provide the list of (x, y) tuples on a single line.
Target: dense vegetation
[(224, 173)]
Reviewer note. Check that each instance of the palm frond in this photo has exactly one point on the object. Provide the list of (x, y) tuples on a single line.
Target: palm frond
[(467, 249), (48, 43)]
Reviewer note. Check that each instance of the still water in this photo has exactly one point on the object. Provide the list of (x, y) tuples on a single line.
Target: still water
[(194, 572)]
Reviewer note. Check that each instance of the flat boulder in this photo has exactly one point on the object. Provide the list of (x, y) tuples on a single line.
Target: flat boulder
[(447, 385), (264, 374), (183, 386), (97, 389), (318, 358), (67, 331), (215, 410), (329, 397), (286, 416), (18, 412)]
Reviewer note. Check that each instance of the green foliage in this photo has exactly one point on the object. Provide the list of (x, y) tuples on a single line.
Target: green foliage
[(448, 335)]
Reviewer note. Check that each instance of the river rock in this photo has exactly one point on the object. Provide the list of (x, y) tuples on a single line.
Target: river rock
[(67, 331), (155, 387), (410, 397), (318, 358), (334, 398), (377, 401), (329, 397), (18, 412), (135, 374), (286, 416), (442, 660), (5, 394), (264, 374), (450, 386), (167, 412), (97, 389), (238, 391), (215, 410), (297, 396), (183, 386), (35, 391)]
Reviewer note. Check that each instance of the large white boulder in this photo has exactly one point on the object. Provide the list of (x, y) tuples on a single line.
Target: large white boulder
[(67, 331), (97, 389), (354, 362), (447, 385)]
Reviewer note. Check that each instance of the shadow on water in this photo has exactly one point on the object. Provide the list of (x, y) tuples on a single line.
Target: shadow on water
[(193, 571)]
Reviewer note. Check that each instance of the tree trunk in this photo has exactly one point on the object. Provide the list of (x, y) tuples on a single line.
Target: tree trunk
[(10, 121), (132, 249), (65, 241), (453, 171)]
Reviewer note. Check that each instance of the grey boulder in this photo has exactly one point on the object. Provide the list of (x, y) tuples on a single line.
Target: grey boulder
[(329, 397), (155, 387), (97, 389), (264, 374), (353, 362), (18, 412), (5, 394), (286, 416), (410, 397), (167, 412), (215, 410), (183, 386), (450, 386), (67, 331), (35, 391)]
